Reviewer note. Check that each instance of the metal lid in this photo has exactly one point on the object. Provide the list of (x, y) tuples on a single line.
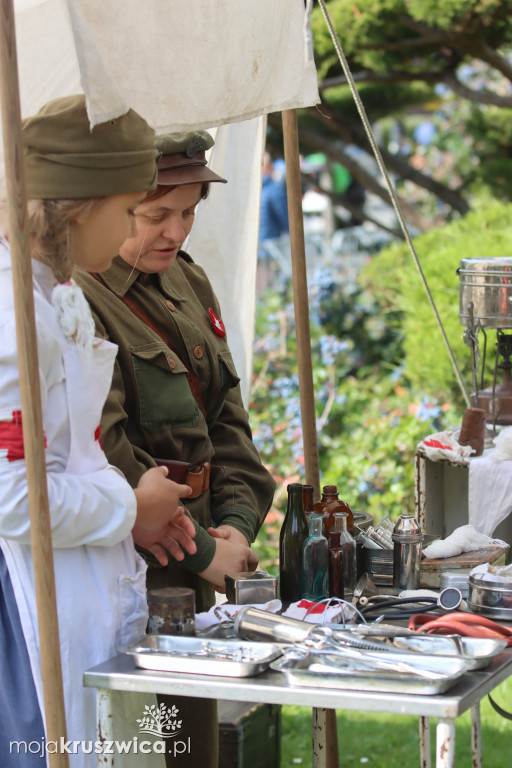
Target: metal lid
[(483, 581), (407, 528), (171, 595)]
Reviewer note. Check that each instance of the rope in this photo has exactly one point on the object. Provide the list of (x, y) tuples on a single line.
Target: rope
[(392, 193)]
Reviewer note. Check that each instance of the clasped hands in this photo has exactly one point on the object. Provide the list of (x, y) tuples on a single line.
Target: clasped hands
[(163, 528)]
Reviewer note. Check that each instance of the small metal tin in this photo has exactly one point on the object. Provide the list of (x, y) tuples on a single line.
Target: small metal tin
[(457, 579), (250, 587)]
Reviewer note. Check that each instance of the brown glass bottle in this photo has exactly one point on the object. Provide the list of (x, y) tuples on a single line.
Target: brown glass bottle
[(294, 531), (328, 505), (336, 586), (307, 500)]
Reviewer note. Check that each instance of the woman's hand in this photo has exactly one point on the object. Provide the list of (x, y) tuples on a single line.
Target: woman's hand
[(231, 556), (158, 499), (172, 539)]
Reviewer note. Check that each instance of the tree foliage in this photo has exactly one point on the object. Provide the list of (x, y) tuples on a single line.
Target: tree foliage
[(445, 61)]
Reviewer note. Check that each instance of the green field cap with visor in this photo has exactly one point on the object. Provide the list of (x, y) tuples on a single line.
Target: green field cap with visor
[(183, 159), (66, 159)]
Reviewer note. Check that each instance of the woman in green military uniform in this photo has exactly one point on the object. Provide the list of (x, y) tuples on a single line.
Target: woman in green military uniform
[(175, 396)]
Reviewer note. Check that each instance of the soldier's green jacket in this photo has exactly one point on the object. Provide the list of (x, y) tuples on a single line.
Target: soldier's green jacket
[(151, 411)]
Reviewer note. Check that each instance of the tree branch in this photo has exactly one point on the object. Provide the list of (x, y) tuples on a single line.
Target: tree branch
[(321, 144), (352, 134)]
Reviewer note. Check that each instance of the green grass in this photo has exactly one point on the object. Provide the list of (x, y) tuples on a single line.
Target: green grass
[(392, 741)]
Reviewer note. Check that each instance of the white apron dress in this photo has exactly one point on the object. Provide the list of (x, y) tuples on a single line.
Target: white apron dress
[(100, 579)]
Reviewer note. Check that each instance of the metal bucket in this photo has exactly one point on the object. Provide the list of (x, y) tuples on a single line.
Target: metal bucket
[(488, 284)]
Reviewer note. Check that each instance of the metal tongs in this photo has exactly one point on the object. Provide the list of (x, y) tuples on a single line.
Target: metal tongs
[(326, 652)]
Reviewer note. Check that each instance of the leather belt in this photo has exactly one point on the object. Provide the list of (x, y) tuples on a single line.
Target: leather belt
[(197, 477)]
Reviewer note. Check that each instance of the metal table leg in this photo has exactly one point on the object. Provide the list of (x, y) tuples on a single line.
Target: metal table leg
[(424, 725), (476, 737), (104, 720), (319, 738), (325, 739), (445, 743)]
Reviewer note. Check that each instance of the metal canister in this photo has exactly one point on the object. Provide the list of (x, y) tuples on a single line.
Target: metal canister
[(407, 538), (487, 284), (254, 624)]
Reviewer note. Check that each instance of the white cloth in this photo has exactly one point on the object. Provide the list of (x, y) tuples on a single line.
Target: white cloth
[(183, 65), (463, 539), (489, 492), (321, 613), (100, 580), (503, 443), (443, 446), (488, 572)]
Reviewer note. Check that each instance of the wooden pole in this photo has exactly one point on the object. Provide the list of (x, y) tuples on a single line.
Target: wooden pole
[(322, 718), (300, 299), (40, 533)]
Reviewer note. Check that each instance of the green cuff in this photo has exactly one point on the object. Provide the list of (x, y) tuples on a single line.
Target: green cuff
[(205, 551), (240, 518)]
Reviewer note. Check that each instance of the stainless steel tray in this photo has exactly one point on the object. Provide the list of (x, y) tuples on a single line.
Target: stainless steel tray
[(476, 652), (228, 658), (445, 674)]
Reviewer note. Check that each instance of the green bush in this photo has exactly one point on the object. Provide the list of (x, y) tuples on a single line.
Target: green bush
[(393, 280)]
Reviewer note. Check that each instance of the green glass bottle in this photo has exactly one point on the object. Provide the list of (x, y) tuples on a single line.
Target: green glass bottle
[(294, 531), (315, 561)]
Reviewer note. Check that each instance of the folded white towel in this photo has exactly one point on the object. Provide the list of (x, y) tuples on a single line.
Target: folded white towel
[(463, 539)]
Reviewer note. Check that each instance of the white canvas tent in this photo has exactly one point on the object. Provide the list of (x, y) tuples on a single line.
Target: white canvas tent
[(185, 63)]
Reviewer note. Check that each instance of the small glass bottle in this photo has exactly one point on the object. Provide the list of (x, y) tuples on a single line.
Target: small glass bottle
[(348, 548), (315, 561), (328, 505), (336, 585), (294, 531), (307, 500)]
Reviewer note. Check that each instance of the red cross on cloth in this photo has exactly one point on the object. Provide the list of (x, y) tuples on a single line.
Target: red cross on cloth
[(11, 437)]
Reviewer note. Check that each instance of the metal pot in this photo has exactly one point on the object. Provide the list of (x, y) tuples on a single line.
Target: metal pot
[(490, 598), (488, 284)]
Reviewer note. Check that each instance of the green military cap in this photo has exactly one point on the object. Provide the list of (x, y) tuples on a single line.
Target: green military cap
[(65, 159), (183, 159)]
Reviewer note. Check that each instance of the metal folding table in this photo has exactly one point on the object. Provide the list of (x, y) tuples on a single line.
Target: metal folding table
[(120, 674)]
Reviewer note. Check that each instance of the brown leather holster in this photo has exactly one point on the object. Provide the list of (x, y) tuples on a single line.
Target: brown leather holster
[(198, 477)]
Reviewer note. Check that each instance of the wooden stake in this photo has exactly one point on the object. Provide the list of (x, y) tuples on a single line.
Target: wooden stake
[(40, 533), (300, 299), (302, 330)]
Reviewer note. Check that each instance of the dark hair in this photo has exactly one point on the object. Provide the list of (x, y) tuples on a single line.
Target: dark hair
[(161, 190)]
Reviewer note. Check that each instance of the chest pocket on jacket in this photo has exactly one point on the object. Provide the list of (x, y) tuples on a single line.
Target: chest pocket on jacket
[(228, 380), (165, 399)]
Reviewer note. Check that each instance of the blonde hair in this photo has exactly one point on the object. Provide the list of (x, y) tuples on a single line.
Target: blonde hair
[(50, 228)]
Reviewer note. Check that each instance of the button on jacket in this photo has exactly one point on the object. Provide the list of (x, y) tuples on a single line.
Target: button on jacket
[(151, 411)]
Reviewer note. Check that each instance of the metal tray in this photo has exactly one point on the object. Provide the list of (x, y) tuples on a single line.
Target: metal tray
[(476, 652), (300, 672), (228, 658)]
